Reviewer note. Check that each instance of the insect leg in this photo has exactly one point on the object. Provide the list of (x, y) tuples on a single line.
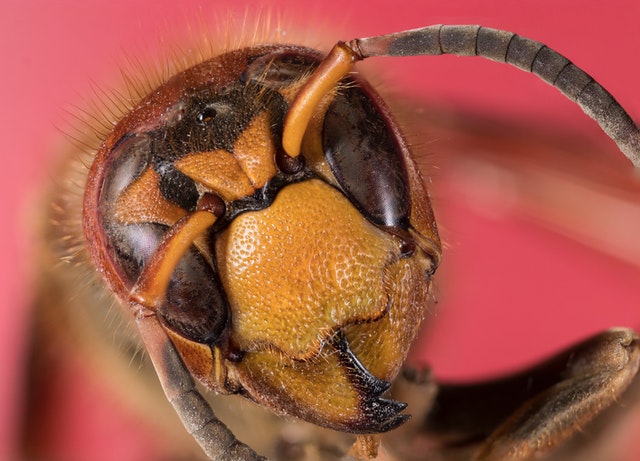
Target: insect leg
[(561, 396)]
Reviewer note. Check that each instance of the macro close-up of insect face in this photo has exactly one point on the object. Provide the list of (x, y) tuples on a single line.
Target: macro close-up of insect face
[(291, 280), (250, 235)]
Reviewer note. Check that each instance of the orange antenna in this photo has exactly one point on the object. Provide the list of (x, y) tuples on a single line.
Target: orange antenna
[(335, 66), (152, 284), (494, 44)]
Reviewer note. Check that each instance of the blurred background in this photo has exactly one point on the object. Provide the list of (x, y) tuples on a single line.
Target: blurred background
[(539, 214)]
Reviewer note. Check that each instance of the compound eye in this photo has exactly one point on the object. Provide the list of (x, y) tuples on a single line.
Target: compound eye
[(129, 237), (363, 153), (134, 217), (195, 305)]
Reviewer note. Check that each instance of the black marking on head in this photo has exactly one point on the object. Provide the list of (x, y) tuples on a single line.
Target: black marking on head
[(378, 414), (177, 187)]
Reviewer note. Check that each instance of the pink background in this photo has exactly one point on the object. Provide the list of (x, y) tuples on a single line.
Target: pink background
[(513, 292)]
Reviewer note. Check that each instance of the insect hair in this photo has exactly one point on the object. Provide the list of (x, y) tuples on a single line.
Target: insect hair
[(93, 322)]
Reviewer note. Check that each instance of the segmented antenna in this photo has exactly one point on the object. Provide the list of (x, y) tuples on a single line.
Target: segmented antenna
[(198, 418), (497, 45)]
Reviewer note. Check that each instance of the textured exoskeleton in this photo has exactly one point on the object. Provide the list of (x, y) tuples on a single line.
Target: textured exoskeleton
[(308, 279), (261, 216)]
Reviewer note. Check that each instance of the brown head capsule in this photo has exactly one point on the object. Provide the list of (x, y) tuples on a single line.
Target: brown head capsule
[(294, 288)]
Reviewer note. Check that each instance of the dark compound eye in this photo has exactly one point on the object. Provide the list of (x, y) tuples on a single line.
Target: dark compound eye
[(364, 155)]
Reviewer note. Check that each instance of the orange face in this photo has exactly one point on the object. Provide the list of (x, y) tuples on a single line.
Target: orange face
[(297, 282)]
